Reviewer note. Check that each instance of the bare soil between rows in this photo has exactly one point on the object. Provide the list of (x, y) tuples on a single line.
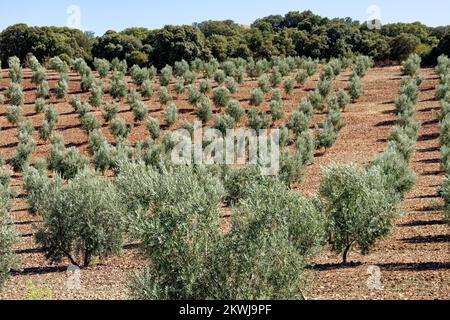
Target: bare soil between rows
[(414, 263)]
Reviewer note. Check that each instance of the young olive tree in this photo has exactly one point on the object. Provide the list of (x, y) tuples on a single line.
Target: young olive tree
[(359, 207), (221, 97), (8, 235), (81, 219)]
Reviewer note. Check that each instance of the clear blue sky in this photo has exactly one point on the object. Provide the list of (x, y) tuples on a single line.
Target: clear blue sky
[(101, 15)]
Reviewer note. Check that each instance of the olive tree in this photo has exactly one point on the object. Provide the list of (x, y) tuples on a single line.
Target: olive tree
[(8, 235), (360, 209), (81, 219), (221, 97)]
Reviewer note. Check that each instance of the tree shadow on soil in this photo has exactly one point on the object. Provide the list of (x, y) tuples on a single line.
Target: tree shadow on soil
[(414, 266), (423, 223), (428, 239), (333, 266), (38, 271)]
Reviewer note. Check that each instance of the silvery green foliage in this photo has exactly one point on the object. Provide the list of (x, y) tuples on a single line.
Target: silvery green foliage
[(264, 83), (87, 81), (197, 65), (334, 113), (49, 123), (36, 186), (96, 92), (38, 75), (136, 185), (224, 123), (194, 95), (305, 146), (102, 66), (276, 95), (139, 75), (256, 70), (410, 89), (180, 68), (24, 150), (151, 153), (189, 77), (66, 164), (235, 110), (317, 100), (95, 140), (140, 111), (120, 66), (83, 108), (219, 76), (164, 96), (411, 66), (276, 77), (15, 94), (444, 192), (179, 86), (147, 90), (285, 136), (171, 115), (355, 88), (256, 97), (203, 109), (327, 73), (262, 257), (298, 122), (15, 70), (336, 66), (81, 67), (292, 168), (8, 235), (81, 219), (166, 76), (289, 85), (399, 177), (119, 129), (324, 87), (231, 84), (110, 110), (205, 86), (33, 63), (307, 108), (229, 68), (221, 97), (103, 157), (359, 206), (154, 128), (326, 136), (58, 65), (178, 233), (402, 142), (362, 65), (258, 120), (239, 75), (89, 122), (301, 77), (310, 67), (43, 90), (62, 88), (119, 86), (343, 99), (14, 114)]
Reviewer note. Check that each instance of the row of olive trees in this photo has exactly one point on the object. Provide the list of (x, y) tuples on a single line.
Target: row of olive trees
[(443, 93), (8, 235), (362, 203)]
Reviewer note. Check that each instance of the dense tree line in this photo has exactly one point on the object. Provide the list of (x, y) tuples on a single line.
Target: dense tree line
[(295, 34)]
